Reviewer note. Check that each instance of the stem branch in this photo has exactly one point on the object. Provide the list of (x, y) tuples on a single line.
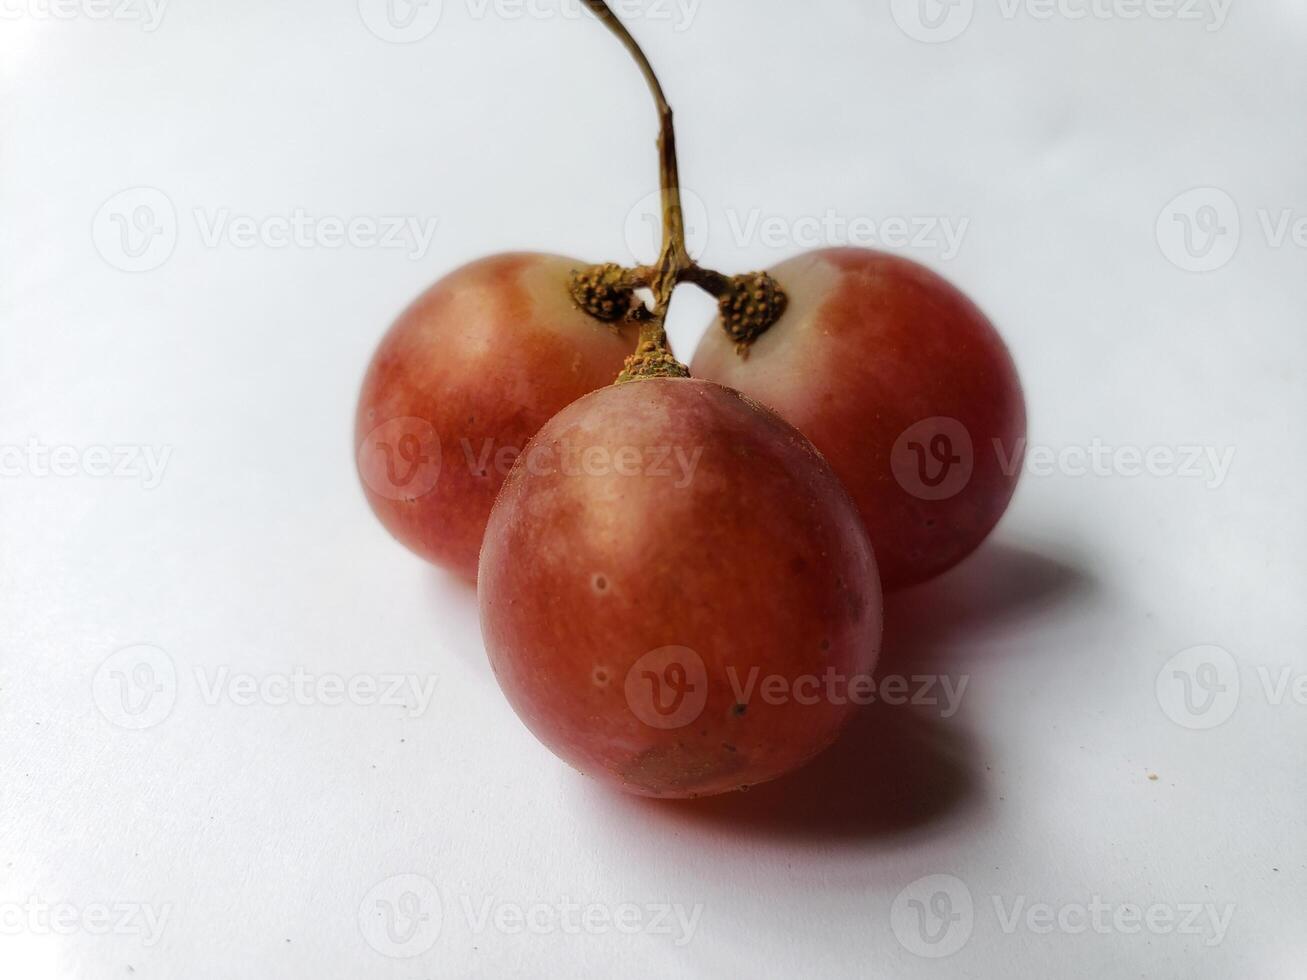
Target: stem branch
[(653, 357)]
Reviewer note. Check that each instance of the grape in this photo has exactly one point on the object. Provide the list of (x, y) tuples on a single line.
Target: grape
[(905, 387), (677, 594), (463, 379)]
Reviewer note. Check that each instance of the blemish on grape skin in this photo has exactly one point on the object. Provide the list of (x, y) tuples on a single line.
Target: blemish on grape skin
[(738, 709), (600, 676), (599, 582)]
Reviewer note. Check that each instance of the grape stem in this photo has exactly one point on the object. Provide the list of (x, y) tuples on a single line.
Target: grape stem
[(653, 356)]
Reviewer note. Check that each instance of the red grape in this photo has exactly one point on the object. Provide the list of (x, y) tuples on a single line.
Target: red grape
[(463, 379), (904, 386), (676, 592)]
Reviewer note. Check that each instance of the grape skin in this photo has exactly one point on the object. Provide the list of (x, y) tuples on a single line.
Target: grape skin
[(475, 366), (752, 557), (870, 346)]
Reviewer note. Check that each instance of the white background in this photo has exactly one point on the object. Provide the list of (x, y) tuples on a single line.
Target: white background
[(261, 831)]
